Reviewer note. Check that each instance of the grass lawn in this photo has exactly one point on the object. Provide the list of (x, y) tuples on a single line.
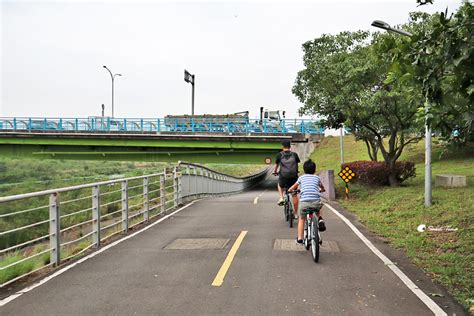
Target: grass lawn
[(395, 213)]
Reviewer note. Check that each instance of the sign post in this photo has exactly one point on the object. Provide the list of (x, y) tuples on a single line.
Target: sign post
[(190, 79), (347, 175)]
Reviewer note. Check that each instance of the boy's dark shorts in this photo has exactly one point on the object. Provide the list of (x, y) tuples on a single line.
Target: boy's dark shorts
[(286, 182)]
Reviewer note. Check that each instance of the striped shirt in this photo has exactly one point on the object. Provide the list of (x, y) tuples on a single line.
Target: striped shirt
[(309, 187)]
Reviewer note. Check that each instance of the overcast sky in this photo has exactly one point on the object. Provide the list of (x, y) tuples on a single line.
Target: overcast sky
[(244, 54)]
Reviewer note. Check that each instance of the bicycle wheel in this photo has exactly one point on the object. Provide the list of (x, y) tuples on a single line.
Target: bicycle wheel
[(314, 241), (306, 239), (285, 211)]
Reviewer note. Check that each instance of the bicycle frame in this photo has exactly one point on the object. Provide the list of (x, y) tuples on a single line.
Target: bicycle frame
[(310, 238), (288, 198)]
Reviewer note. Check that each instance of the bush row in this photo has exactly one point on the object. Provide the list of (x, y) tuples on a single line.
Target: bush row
[(377, 173)]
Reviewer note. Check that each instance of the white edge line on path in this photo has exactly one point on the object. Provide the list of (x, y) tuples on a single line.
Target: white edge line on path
[(402, 276), (72, 265)]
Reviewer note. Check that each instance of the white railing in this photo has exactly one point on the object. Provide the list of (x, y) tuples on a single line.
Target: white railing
[(42, 229)]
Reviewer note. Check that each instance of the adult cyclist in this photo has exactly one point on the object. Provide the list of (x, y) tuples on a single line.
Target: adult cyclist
[(287, 164)]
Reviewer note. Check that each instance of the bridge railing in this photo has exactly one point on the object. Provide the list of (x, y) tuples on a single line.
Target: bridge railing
[(159, 125), (42, 229)]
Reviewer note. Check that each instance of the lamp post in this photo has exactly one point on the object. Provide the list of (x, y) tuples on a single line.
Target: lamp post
[(112, 76), (190, 79), (428, 195), (341, 143)]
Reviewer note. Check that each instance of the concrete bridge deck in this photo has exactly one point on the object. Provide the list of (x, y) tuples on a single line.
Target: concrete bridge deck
[(163, 147)]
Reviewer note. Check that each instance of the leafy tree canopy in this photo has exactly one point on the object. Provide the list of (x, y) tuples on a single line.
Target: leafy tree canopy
[(345, 82)]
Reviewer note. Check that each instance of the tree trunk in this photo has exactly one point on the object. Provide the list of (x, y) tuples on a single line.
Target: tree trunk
[(372, 148), (392, 176), (375, 149), (392, 179)]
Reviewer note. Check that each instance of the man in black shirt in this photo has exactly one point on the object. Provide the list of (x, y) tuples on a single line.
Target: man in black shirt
[(287, 163)]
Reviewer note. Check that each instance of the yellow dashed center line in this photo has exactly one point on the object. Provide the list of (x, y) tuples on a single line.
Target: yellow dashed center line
[(219, 279), (255, 201)]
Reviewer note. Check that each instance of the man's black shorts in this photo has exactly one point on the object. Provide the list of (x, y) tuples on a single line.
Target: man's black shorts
[(286, 182)]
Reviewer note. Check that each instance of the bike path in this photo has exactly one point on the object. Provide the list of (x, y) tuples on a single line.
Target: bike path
[(139, 276)]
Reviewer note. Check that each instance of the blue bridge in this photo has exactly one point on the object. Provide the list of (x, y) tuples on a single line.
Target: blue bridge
[(202, 124)]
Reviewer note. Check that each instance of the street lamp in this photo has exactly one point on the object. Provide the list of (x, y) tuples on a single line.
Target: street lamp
[(428, 195), (112, 76), (190, 79), (387, 27)]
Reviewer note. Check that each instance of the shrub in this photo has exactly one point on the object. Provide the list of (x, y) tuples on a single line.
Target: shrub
[(376, 172)]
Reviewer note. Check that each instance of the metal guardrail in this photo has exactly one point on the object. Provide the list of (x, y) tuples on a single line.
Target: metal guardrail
[(158, 125), (56, 225)]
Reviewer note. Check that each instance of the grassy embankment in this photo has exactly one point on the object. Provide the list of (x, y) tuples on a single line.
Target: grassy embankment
[(395, 213)]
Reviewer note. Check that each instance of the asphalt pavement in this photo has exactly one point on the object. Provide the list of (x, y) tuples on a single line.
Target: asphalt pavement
[(153, 273)]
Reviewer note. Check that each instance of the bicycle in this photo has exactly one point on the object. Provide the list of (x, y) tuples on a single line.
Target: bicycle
[(288, 207), (312, 237)]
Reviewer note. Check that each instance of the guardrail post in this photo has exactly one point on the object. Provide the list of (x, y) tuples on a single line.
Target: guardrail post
[(175, 187), (208, 181), (125, 206), (54, 229), (201, 180), (195, 181), (96, 215), (163, 192), (180, 188), (146, 200)]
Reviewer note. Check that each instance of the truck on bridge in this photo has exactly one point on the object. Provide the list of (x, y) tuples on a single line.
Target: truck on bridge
[(270, 121)]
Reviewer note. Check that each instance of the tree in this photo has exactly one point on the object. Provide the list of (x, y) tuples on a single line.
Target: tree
[(344, 82), (440, 58)]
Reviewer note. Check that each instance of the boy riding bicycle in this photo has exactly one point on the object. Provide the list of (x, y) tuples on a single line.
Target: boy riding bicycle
[(311, 187), (287, 163)]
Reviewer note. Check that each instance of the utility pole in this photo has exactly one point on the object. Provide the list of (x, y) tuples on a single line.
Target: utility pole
[(428, 192), (341, 141)]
